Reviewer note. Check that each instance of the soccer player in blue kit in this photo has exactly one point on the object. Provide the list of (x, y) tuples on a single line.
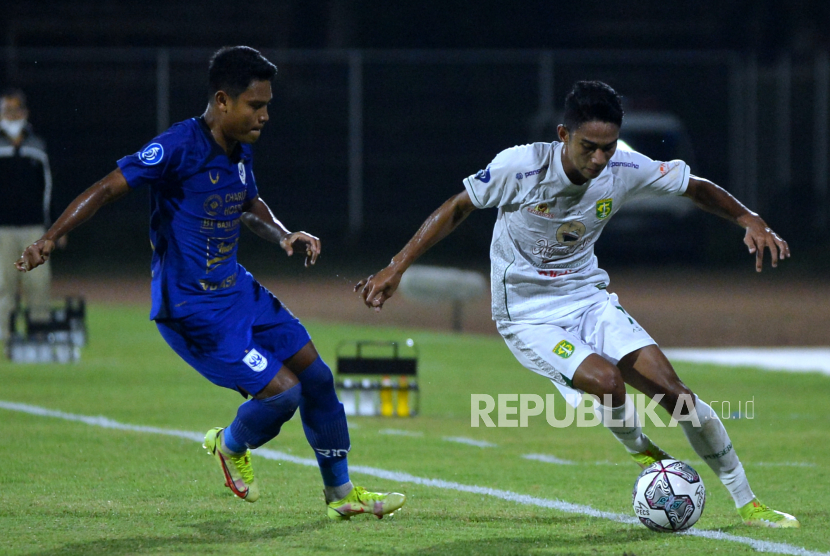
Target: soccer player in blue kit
[(208, 308)]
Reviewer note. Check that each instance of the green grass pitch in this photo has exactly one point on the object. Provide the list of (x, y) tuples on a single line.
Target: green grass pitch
[(71, 488)]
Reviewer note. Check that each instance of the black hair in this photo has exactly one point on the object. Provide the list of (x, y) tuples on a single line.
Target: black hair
[(591, 101), (13, 92), (233, 68)]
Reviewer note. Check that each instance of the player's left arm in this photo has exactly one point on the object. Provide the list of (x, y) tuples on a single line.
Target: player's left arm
[(713, 198), (257, 216)]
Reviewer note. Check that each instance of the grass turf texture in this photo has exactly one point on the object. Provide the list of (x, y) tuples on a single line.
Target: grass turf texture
[(70, 488)]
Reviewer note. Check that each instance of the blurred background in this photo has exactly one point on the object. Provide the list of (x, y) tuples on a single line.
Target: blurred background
[(382, 108)]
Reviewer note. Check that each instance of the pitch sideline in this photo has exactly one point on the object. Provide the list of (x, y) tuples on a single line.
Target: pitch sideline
[(554, 504)]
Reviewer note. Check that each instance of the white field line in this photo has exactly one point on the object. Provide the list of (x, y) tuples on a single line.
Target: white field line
[(399, 432), (548, 459), (559, 505), (545, 458), (470, 441), (794, 360)]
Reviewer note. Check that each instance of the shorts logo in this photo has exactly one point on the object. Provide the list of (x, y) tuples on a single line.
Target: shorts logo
[(242, 172), (664, 168), (213, 205), (604, 208), (255, 361), (564, 349), (483, 175), (152, 154)]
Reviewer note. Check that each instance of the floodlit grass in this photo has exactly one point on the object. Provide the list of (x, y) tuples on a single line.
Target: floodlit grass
[(70, 488)]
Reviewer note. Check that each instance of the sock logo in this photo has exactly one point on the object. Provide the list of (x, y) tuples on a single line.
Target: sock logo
[(255, 361), (332, 453)]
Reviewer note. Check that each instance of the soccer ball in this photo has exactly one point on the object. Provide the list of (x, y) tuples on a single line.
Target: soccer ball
[(668, 496)]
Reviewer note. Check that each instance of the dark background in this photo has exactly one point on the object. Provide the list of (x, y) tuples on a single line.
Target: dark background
[(445, 87)]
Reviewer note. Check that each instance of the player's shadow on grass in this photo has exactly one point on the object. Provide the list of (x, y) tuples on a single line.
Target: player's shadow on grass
[(208, 533), (567, 535)]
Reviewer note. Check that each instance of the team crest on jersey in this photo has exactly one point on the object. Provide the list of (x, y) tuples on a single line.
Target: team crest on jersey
[(255, 361), (213, 205), (570, 232), (564, 349), (241, 167), (152, 154), (542, 209), (604, 208)]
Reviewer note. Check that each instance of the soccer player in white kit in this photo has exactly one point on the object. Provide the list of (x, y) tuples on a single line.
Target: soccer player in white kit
[(549, 295)]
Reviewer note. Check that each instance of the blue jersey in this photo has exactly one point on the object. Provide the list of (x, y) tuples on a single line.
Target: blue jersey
[(196, 197)]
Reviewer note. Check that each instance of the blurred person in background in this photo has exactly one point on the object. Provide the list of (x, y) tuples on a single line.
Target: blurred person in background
[(26, 185)]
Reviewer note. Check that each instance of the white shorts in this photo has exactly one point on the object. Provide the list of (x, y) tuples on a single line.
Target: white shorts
[(555, 349)]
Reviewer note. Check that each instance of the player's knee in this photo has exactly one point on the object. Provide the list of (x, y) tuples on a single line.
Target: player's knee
[(317, 379), (600, 378)]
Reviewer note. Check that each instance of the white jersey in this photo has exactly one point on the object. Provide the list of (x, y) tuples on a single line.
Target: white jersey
[(542, 253)]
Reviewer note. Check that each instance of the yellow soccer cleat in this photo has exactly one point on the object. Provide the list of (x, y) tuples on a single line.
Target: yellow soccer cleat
[(756, 514), (360, 501), (650, 455), (237, 470)]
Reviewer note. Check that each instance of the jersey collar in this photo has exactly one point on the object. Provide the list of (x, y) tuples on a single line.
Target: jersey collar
[(238, 152), (560, 171)]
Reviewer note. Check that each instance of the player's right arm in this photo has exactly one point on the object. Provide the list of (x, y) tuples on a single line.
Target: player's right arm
[(376, 289), (112, 187)]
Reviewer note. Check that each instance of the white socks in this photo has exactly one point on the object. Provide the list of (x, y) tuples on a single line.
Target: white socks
[(712, 444), (624, 424), (333, 494)]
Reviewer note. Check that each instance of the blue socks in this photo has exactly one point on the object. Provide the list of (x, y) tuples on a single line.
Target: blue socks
[(324, 423), (258, 421)]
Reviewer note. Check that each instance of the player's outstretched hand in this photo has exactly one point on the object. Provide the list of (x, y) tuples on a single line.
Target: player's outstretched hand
[(301, 241), (35, 255), (377, 288), (759, 237)]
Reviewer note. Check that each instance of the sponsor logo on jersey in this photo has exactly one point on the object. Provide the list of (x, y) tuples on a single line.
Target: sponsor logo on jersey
[(519, 175), (564, 349), (554, 273), (604, 208), (255, 361), (213, 205), (534, 172), (483, 175), (152, 154), (213, 180), (241, 167), (542, 209), (614, 164), (570, 232)]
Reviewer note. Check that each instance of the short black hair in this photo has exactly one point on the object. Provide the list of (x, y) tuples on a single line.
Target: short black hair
[(233, 68), (13, 92), (591, 101)]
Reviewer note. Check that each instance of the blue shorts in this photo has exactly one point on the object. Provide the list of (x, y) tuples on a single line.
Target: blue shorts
[(240, 346)]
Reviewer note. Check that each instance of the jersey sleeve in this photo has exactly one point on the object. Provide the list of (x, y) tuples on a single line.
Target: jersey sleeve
[(648, 177), (498, 184), (158, 161)]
